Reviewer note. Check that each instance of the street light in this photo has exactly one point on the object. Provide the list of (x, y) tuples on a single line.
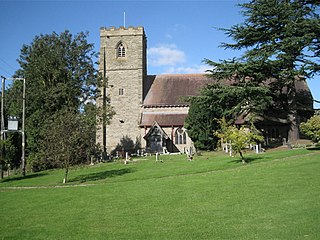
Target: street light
[(13, 122)]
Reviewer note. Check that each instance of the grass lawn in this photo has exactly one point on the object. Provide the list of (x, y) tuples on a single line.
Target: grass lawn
[(275, 196)]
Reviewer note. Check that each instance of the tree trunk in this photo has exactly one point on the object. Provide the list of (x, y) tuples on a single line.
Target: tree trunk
[(242, 158), (293, 134), (1, 171)]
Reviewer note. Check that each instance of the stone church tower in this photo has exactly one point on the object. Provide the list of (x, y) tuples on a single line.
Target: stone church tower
[(123, 65)]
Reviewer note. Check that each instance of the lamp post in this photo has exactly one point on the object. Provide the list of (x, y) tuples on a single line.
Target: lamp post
[(12, 122), (2, 125)]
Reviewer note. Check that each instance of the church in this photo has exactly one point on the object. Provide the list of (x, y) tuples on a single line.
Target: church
[(150, 110)]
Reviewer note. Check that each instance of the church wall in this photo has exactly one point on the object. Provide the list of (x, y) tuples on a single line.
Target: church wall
[(170, 131), (183, 148)]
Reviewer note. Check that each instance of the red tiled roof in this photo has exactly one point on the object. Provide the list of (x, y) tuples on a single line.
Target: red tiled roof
[(163, 119), (169, 89)]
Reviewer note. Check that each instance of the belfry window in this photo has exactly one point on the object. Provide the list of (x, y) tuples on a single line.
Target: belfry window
[(180, 136), (121, 51)]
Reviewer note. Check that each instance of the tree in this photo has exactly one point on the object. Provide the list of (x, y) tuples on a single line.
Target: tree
[(69, 141), (201, 122), (63, 152), (60, 74), (311, 128), (218, 101), (281, 39), (8, 152), (239, 138)]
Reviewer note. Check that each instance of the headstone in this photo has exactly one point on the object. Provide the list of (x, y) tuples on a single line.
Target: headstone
[(127, 158)]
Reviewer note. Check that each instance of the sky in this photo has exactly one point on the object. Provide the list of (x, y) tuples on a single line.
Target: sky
[(180, 34)]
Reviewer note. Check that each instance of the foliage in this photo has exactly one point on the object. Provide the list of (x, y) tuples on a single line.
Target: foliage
[(104, 112), (217, 101), (281, 41), (12, 149), (8, 153), (239, 138), (201, 121), (60, 74), (311, 128), (73, 135)]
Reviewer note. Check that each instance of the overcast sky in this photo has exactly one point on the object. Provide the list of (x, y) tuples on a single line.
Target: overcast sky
[(180, 33)]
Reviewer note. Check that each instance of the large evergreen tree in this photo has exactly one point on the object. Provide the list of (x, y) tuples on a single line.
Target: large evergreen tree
[(201, 121), (281, 41), (60, 76), (218, 101)]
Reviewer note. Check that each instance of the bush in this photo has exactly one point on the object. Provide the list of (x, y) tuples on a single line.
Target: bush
[(311, 128)]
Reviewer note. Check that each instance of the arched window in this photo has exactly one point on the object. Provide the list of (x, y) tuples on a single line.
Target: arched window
[(180, 136), (176, 138), (121, 51)]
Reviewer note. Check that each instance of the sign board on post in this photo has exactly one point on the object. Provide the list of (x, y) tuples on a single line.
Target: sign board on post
[(13, 124)]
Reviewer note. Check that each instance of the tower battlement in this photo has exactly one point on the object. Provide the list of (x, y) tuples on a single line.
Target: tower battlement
[(112, 28), (110, 31)]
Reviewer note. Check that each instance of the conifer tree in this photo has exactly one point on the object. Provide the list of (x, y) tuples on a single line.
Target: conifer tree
[(281, 42), (218, 101)]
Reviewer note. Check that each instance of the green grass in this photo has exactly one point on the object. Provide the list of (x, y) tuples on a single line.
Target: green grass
[(275, 196)]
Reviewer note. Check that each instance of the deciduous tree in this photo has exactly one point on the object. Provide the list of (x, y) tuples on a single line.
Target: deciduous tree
[(311, 128), (239, 138), (69, 140), (60, 74), (8, 153)]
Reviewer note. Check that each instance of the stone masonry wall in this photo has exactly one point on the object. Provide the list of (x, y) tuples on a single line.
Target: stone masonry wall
[(125, 77)]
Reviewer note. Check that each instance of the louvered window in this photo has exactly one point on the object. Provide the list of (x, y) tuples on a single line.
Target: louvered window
[(121, 51)]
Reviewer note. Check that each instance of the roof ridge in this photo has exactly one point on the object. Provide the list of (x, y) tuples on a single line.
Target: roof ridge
[(182, 74)]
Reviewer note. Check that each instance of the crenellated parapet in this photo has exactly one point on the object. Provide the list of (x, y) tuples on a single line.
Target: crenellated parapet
[(122, 31), (112, 28)]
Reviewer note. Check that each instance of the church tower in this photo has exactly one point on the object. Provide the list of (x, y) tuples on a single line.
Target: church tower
[(123, 65)]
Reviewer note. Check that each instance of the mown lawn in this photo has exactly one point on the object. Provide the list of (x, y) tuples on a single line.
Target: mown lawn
[(275, 196)]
